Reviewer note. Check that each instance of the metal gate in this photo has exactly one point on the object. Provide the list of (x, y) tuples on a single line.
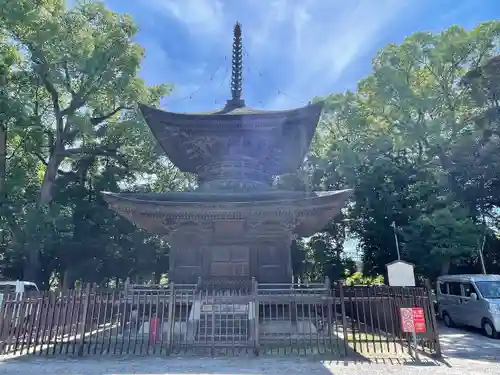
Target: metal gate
[(263, 319)]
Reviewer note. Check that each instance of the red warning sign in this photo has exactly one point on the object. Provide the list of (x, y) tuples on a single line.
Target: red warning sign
[(413, 320)]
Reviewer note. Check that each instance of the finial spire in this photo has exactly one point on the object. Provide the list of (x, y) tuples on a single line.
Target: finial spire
[(237, 70)]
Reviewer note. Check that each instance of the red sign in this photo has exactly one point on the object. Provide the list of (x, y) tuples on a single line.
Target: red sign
[(413, 320), (154, 329)]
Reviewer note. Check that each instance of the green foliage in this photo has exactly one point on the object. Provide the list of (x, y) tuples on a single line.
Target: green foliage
[(357, 278), (72, 129), (418, 143), (418, 140)]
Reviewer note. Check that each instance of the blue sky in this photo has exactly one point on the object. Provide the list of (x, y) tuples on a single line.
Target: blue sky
[(295, 49)]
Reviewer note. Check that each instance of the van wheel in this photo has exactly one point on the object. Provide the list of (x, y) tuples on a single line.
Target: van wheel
[(448, 322), (489, 329)]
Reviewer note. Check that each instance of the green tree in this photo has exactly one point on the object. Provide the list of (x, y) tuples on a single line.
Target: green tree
[(406, 141), (79, 97)]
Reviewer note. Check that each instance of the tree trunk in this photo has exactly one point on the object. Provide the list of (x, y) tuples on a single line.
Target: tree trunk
[(65, 282), (3, 172), (32, 265), (3, 162), (445, 267), (49, 178)]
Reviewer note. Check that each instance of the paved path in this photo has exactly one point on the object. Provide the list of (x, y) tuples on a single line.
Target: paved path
[(237, 366), (469, 344), (466, 352)]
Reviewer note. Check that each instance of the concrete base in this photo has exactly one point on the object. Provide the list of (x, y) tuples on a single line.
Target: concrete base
[(267, 329), (178, 328), (277, 329)]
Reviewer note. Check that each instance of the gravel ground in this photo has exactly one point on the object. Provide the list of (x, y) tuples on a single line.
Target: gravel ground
[(237, 366), (466, 353)]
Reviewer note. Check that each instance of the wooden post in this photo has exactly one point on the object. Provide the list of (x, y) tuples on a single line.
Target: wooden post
[(330, 301), (171, 317), (83, 323), (344, 318), (435, 329), (256, 318), (127, 285), (327, 283)]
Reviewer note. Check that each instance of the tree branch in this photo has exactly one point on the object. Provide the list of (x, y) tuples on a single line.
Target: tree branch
[(98, 151), (43, 73), (44, 162), (18, 147), (97, 120), (67, 78), (79, 98)]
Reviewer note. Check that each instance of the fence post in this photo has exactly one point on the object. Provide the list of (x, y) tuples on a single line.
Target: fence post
[(256, 318), (344, 318), (83, 323), (428, 287), (328, 285), (171, 316)]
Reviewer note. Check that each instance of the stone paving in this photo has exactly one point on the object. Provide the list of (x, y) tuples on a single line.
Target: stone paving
[(466, 353)]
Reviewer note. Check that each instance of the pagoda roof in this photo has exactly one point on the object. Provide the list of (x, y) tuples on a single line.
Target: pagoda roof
[(237, 111), (195, 140), (231, 198), (311, 211)]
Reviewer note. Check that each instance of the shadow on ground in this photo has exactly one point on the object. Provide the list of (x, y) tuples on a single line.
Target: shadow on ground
[(468, 343), (150, 366), (222, 366)]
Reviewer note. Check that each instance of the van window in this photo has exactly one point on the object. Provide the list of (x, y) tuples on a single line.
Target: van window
[(468, 289), (443, 288), (455, 289), (30, 288), (6, 288), (489, 289)]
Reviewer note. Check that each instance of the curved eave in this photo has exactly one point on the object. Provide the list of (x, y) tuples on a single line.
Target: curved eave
[(311, 214), (165, 126), (155, 205), (204, 119)]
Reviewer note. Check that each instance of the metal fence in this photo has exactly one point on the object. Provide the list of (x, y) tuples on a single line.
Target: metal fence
[(173, 319)]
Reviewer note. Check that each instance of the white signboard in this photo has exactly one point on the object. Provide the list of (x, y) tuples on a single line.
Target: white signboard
[(400, 273)]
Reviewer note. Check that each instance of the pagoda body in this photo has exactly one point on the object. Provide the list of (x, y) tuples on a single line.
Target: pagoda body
[(234, 226)]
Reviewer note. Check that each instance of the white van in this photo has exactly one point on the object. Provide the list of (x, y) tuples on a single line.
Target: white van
[(18, 287), (470, 300)]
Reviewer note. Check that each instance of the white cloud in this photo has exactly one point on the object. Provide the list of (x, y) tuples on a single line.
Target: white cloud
[(203, 17), (314, 40), (323, 50)]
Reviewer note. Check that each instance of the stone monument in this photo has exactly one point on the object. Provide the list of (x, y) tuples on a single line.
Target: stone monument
[(235, 225)]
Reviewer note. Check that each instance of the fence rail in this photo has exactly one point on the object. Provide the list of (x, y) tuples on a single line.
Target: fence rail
[(340, 321)]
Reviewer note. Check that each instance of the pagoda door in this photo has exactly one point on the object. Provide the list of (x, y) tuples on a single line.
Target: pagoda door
[(273, 264), (230, 262)]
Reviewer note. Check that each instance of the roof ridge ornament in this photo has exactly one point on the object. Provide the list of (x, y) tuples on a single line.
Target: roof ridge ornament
[(237, 71)]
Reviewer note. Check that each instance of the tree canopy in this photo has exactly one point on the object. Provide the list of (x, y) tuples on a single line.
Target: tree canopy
[(418, 140)]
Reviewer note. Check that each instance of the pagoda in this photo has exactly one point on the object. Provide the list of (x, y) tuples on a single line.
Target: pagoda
[(234, 225)]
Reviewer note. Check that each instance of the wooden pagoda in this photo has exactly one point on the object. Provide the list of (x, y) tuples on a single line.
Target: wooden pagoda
[(234, 226)]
